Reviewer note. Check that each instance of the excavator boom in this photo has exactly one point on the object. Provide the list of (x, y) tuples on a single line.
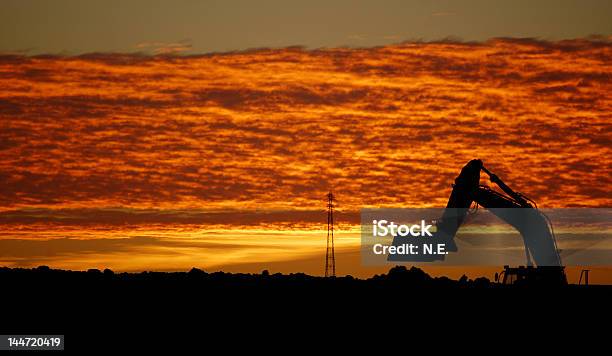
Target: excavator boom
[(513, 208)]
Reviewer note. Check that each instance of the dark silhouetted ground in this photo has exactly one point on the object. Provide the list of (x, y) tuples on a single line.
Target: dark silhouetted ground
[(96, 305)]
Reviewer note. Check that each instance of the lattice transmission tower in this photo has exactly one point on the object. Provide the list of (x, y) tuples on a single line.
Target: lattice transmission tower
[(330, 258)]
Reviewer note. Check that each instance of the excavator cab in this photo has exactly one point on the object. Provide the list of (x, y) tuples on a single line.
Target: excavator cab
[(528, 275)]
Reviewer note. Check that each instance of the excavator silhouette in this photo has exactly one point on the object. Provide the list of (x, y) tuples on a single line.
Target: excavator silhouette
[(515, 209)]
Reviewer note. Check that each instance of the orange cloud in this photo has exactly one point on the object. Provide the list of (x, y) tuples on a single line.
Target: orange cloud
[(277, 128), (165, 48), (274, 130)]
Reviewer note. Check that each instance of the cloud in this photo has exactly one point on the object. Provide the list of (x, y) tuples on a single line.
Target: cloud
[(274, 129), (165, 48), (132, 253), (203, 218)]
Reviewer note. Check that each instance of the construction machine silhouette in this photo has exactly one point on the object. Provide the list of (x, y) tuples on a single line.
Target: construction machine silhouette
[(543, 260)]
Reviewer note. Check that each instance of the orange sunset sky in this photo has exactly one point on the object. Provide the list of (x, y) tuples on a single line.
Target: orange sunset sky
[(144, 161)]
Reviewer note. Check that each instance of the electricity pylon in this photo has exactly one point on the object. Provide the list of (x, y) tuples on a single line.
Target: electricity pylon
[(330, 258)]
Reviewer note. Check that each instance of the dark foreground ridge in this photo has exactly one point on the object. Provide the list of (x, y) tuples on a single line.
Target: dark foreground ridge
[(412, 276), (45, 300), (398, 276), (43, 278)]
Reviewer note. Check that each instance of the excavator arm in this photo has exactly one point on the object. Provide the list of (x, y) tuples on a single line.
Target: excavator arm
[(514, 209)]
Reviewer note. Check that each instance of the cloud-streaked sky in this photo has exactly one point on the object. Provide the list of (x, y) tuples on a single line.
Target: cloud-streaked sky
[(233, 149), (162, 26), (276, 129)]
